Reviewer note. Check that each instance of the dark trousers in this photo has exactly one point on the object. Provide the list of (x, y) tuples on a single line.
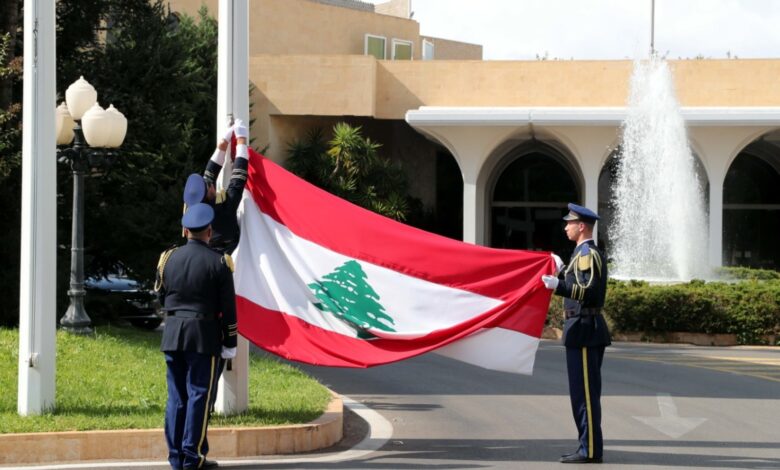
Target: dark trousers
[(584, 367), (190, 386)]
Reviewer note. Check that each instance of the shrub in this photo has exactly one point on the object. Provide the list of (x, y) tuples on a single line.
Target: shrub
[(749, 309)]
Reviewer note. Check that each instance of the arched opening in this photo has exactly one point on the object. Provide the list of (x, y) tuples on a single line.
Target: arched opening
[(751, 206), (529, 197)]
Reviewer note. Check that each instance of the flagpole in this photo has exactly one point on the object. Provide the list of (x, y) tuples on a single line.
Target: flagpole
[(233, 102), (37, 306)]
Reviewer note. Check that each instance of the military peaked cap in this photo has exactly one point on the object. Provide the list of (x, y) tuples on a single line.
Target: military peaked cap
[(581, 213), (194, 190), (197, 217)]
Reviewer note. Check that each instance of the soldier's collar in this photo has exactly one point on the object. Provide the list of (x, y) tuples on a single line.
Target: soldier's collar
[(584, 242)]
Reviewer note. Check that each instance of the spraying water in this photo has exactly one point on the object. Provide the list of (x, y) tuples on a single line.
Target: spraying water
[(659, 230)]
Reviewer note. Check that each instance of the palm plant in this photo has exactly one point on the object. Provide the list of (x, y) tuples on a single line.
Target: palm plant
[(349, 166)]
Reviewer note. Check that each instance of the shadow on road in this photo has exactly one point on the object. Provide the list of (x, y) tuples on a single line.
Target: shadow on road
[(412, 454), (622, 376)]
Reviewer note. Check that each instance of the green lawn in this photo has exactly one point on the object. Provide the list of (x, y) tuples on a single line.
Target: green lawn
[(115, 379)]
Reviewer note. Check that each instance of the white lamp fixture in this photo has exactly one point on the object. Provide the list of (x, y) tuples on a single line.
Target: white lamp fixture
[(95, 134), (65, 125), (118, 127), (97, 126), (80, 96)]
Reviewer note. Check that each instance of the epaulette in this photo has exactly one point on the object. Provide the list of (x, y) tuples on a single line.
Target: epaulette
[(228, 261), (584, 261), (221, 196), (158, 283)]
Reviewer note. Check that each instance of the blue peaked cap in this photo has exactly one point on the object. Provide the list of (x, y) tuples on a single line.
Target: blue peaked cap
[(581, 213), (198, 216), (194, 189)]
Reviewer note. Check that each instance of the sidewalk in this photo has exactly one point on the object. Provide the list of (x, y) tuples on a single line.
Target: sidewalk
[(149, 444)]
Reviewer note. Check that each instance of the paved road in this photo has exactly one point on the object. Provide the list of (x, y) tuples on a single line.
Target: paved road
[(664, 407)]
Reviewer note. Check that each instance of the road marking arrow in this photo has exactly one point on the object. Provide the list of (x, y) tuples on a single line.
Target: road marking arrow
[(670, 423)]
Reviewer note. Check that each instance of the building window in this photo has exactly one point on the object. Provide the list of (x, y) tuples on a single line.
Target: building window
[(402, 50), (375, 46), (427, 50)]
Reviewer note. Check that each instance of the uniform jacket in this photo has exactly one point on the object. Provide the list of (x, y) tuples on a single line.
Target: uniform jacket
[(584, 287), (195, 284), (225, 226)]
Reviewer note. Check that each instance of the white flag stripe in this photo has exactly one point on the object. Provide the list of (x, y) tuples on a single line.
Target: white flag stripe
[(284, 266), (496, 349)]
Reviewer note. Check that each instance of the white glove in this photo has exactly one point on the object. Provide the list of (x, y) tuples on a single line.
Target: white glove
[(550, 282), (558, 262), (228, 353), (240, 129)]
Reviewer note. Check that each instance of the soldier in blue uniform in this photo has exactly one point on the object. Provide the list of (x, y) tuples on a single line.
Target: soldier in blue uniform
[(583, 285), (195, 285)]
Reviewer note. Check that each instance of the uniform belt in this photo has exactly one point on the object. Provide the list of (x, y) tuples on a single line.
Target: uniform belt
[(584, 312), (190, 314)]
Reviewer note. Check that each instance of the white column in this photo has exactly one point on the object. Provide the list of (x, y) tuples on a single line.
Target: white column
[(592, 195), (716, 221), (473, 210), (233, 100), (37, 314)]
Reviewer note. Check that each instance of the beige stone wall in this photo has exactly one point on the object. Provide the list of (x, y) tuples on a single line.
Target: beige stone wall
[(399, 8), (401, 86), (306, 27), (444, 49)]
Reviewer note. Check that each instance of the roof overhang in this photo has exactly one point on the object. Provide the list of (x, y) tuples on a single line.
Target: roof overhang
[(427, 116)]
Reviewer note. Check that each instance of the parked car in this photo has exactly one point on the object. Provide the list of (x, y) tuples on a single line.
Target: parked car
[(118, 296)]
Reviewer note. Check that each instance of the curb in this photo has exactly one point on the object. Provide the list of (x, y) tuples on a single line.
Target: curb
[(673, 337), (149, 444)]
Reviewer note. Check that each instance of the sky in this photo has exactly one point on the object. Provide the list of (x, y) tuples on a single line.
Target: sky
[(605, 29)]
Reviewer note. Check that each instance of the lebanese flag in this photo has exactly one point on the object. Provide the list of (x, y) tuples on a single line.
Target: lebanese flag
[(322, 281)]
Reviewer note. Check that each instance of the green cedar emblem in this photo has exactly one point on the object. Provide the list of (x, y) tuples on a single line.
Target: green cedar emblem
[(347, 294)]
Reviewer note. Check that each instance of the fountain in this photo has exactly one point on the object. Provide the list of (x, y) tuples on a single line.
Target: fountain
[(659, 228)]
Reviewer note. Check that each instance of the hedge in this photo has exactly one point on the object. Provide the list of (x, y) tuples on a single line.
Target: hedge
[(749, 309)]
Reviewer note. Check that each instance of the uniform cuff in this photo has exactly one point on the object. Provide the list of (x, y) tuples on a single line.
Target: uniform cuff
[(218, 157), (242, 151)]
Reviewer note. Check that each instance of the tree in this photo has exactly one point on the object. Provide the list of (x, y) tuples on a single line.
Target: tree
[(350, 167), (10, 183), (160, 71), (347, 294)]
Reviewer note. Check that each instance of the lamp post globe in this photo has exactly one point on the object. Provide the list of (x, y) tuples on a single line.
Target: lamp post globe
[(94, 132)]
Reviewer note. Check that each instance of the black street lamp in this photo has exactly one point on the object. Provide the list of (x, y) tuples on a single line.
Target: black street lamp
[(94, 133)]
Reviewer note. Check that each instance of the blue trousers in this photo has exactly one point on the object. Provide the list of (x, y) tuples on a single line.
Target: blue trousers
[(190, 386), (584, 367)]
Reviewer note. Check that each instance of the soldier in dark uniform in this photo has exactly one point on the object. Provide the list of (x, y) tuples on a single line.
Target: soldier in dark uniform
[(225, 230), (195, 285), (585, 334), (225, 202)]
